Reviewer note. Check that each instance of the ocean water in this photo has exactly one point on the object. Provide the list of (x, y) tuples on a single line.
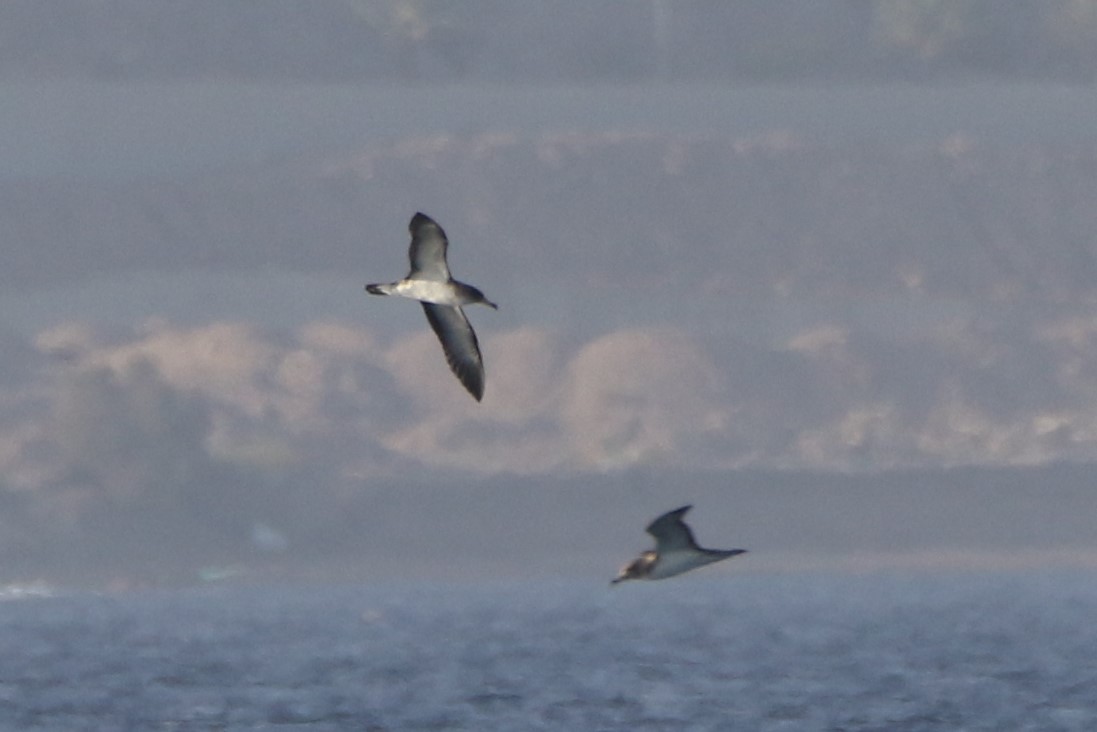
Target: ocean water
[(715, 651)]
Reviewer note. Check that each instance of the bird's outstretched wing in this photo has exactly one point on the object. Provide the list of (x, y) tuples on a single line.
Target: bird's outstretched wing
[(460, 345), (428, 250), (671, 533)]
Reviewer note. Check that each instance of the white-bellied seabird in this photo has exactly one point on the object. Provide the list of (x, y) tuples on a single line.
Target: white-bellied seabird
[(675, 551), (430, 283)]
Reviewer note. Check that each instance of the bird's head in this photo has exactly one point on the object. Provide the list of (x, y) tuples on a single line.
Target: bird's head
[(472, 295), (636, 569)]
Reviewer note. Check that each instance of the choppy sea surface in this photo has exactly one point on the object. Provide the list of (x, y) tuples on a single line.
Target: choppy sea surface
[(959, 651)]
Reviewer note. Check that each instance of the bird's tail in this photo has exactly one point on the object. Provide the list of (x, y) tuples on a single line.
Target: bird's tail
[(724, 553), (379, 289)]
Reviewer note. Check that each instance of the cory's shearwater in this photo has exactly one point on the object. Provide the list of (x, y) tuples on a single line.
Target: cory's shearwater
[(430, 283), (675, 551)]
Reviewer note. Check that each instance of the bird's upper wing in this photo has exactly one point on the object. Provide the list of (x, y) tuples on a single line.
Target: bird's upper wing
[(428, 249), (460, 344), (671, 533)]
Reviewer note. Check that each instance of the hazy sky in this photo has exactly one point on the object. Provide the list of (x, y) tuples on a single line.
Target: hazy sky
[(694, 281)]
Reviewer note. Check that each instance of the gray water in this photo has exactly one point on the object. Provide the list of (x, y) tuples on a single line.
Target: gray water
[(1013, 651)]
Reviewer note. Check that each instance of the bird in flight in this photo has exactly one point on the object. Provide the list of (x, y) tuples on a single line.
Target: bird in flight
[(430, 283), (675, 551)]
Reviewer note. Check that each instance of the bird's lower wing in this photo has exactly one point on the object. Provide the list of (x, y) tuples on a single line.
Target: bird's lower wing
[(460, 345)]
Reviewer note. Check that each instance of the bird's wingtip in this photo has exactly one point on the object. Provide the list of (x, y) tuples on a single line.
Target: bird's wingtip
[(474, 389)]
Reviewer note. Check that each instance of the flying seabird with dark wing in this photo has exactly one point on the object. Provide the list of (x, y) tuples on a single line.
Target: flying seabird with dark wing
[(430, 283), (675, 551)]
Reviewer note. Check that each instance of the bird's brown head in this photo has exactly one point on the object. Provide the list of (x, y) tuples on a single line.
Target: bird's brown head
[(636, 569)]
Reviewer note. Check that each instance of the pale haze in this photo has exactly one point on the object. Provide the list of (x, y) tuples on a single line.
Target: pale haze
[(837, 290)]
